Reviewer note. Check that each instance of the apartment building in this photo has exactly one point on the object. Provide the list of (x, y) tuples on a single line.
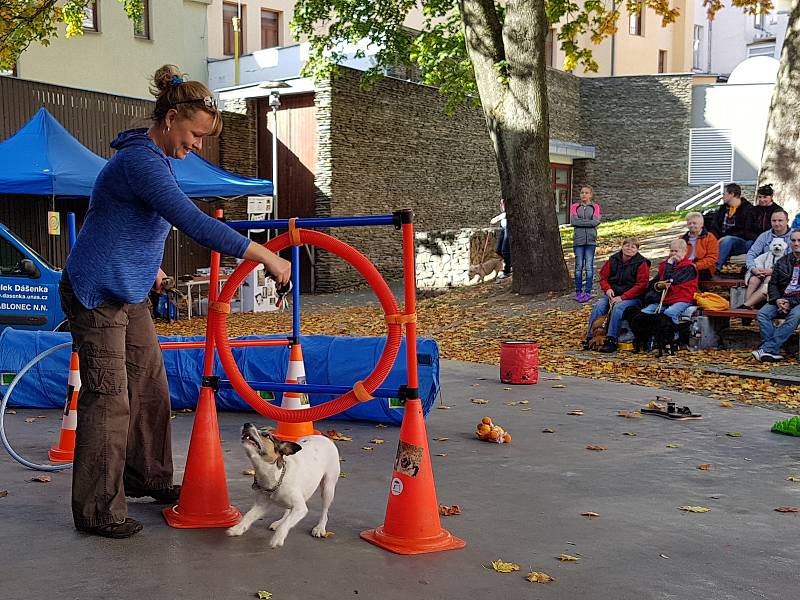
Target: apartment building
[(116, 55)]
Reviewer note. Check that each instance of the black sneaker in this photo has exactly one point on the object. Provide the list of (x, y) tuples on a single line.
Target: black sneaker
[(117, 531), (168, 495), (585, 345), (609, 346)]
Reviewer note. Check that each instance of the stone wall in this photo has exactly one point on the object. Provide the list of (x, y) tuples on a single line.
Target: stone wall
[(639, 126), (238, 149), (392, 146)]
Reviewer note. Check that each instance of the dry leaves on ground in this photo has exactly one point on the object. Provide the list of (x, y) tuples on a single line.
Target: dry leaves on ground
[(567, 558), (337, 436), (590, 514), (788, 509), (596, 448), (42, 479), (704, 467), (694, 509), (504, 567), (3, 493), (576, 413), (449, 511), (539, 577)]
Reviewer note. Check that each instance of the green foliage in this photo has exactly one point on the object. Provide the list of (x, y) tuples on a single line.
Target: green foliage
[(633, 227), (439, 51), (25, 21)]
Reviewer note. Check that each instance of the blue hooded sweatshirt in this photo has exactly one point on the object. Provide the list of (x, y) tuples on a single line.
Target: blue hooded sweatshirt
[(134, 202)]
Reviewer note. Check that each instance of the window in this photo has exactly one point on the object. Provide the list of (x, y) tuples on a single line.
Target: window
[(760, 21), (662, 61), (270, 28), (635, 26), (697, 47), (141, 26), (229, 13), (549, 54), (11, 261), (91, 21), (761, 50)]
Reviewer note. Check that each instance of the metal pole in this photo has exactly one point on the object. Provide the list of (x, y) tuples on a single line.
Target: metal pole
[(72, 229)]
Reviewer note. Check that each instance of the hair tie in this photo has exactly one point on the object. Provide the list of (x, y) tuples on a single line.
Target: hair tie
[(176, 80)]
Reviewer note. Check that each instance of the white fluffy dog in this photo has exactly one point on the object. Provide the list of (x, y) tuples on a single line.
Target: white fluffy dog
[(777, 248), (287, 475)]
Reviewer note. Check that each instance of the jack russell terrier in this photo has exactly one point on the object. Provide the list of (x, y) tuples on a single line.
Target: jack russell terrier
[(287, 474)]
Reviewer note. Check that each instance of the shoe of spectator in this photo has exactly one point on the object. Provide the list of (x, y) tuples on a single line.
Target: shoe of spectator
[(609, 346), (503, 275), (578, 297), (757, 354), (770, 357)]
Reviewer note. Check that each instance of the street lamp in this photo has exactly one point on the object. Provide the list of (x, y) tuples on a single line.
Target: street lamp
[(274, 103)]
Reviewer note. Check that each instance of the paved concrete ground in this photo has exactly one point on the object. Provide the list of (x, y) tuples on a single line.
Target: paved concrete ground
[(521, 502)]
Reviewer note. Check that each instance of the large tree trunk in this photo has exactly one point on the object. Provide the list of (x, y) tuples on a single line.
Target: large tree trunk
[(515, 105), (781, 157)]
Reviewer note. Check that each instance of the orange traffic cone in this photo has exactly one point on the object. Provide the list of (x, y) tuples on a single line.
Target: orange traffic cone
[(204, 500), (412, 523), (296, 373), (64, 451)]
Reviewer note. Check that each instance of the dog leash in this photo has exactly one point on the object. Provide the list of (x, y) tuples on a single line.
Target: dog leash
[(269, 491)]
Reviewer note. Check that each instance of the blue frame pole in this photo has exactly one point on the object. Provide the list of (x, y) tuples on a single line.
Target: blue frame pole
[(308, 388), (72, 229), (315, 222), (296, 292)]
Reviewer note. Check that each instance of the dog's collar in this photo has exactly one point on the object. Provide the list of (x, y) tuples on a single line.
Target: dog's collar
[(272, 490)]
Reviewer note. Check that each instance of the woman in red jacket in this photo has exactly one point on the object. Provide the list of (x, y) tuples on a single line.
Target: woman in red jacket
[(678, 276)]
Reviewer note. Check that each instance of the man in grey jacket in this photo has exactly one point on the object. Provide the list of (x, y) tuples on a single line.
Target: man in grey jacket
[(783, 303), (758, 275)]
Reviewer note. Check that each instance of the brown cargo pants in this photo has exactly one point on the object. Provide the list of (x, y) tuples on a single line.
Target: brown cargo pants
[(123, 439)]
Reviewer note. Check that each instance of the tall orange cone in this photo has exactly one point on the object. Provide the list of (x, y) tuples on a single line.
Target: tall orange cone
[(64, 451), (204, 499), (412, 524), (296, 373)]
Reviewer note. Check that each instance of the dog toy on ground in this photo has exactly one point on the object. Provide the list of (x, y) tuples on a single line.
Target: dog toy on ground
[(489, 432), (788, 427), (680, 413)]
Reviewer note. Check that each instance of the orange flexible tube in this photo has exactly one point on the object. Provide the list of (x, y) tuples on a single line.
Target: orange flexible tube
[(217, 326)]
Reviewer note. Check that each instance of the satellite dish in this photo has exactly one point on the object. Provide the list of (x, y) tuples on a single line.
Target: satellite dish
[(757, 69)]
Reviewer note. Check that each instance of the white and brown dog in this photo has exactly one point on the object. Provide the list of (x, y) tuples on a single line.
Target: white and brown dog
[(287, 474), (767, 260)]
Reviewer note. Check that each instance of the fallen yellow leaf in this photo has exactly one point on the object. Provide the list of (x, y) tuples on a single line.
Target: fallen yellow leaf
[(263, 595), (673, 446), (377, 441), (704, 467), (367, 448), (249, 472), (539, 577), (590, 514), (328, 534), (792, 478), (694, 509), (504, 567), (343, 475), (726, 404), (42, 479), (381, 426), (479, 401), (567, 557), (548, 430), (577, 413), (733, 434), (440, 439), (558, 386), (596, 448), (443, 407), (630, 433), (442, 454), (337, 436)]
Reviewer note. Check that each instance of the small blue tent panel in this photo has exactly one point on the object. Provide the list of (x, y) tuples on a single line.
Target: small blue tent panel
[(42, 158), (198, 178), (328, 361)]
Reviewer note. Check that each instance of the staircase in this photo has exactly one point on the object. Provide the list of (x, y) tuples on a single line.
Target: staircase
[(711, 196)]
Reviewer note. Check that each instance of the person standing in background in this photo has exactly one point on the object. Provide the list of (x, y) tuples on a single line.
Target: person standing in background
[(584, 216), (503, 241)]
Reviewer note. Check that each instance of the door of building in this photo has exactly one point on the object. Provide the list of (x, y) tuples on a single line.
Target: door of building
[(561, 176)]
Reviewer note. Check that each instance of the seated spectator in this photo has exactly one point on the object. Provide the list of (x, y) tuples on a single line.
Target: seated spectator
[(760, 217), (678, 276), (728, 224), (759, 276), (623, 280), (783, 303), (703, 247)]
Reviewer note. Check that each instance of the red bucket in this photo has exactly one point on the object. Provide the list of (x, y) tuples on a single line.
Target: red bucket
[(519, 362)]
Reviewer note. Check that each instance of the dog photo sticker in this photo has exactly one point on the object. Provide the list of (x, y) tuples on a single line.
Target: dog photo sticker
[(409, 459)]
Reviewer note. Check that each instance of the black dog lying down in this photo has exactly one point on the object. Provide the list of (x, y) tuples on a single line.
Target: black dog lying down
[(656, 327)]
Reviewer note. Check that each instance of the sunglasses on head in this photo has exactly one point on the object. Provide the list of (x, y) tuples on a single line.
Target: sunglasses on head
[(209, 101)]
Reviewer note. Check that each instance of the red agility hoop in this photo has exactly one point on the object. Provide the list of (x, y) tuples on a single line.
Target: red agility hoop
[(218, 321)]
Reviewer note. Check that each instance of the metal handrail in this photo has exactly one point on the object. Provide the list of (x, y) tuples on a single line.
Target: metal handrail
[(711, 196)]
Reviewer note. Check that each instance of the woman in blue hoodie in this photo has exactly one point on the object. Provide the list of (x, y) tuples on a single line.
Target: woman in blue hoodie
[(123, 434)]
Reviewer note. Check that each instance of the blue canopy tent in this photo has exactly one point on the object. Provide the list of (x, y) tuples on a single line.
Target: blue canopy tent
[(43, 158)]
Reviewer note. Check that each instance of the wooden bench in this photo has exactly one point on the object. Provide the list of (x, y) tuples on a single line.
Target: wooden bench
[(714, 283), (732, 313)]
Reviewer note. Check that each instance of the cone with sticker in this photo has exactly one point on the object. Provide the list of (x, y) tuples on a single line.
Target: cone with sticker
[(296, 373), (64, 451), (412, 524)]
